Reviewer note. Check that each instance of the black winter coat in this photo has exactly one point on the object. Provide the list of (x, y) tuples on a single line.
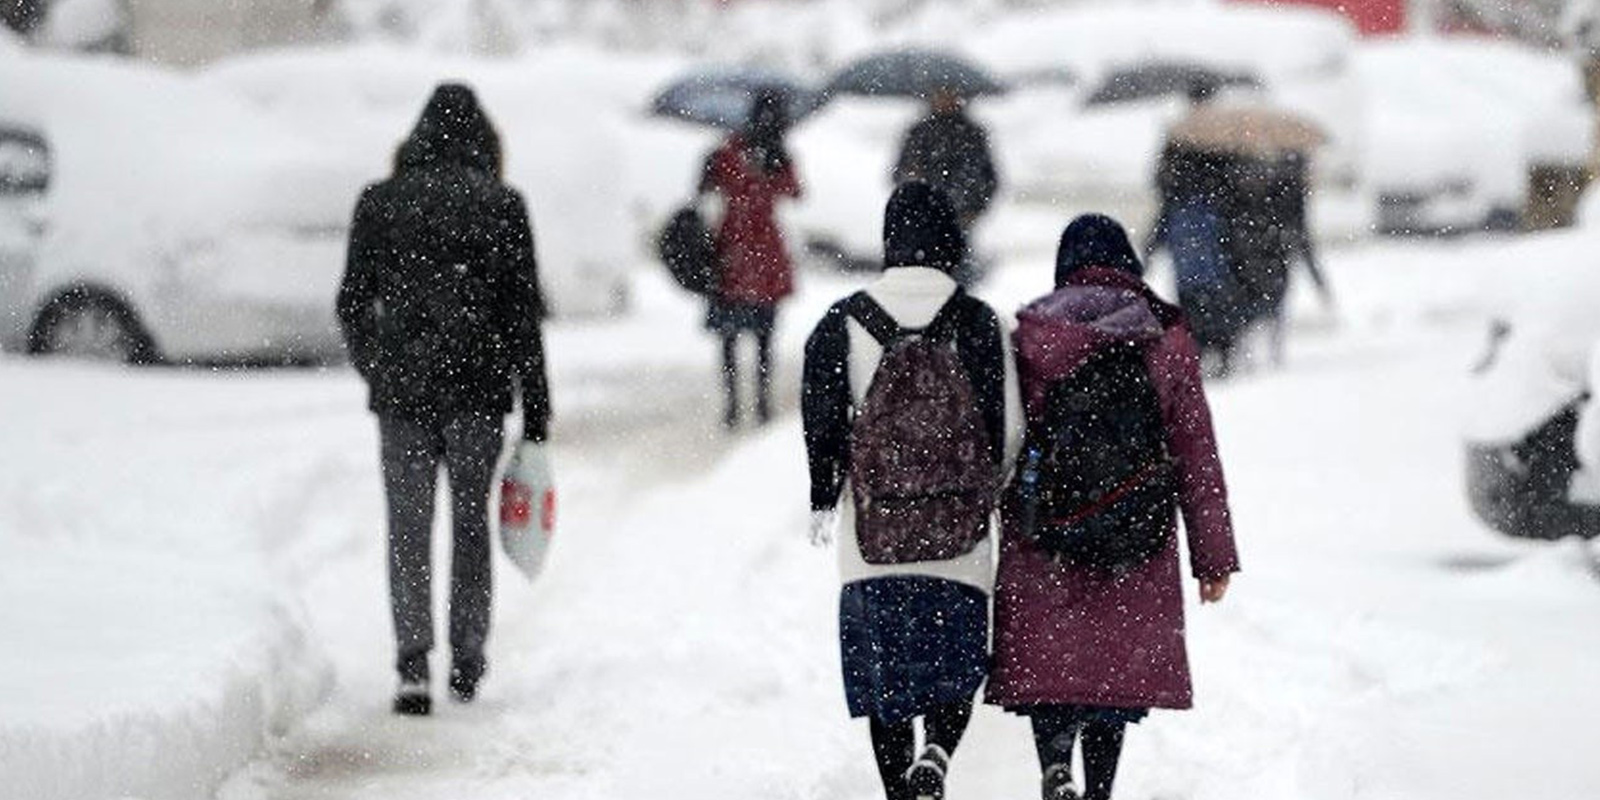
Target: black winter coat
[(951, 152), (440, 306)]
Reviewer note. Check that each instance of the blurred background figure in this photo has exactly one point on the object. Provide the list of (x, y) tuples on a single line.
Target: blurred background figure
[(441, 312), (1197, 206), (750, 172), (1234, 184), (1271, 237), (949, 150)]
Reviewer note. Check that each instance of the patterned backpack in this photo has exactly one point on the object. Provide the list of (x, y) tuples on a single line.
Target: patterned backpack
[(922, 472)]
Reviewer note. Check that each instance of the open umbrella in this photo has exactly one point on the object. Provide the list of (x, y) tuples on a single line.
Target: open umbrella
[(1248, 130), (914, 73), (1152, 79), (722, 97)]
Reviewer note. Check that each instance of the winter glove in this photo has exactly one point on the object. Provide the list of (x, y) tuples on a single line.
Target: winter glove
[(822, 525)]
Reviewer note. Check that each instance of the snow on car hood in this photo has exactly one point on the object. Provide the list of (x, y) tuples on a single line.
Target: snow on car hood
[(1549, 294)]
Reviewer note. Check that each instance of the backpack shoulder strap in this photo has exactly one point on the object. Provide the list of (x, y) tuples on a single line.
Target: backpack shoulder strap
[(865, 310), (946, 325)]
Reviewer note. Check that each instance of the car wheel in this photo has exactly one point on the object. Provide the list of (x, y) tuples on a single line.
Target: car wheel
[(91, 325)]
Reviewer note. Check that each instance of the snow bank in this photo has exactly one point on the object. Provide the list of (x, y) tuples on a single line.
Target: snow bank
[(129, 675), (151, 647)]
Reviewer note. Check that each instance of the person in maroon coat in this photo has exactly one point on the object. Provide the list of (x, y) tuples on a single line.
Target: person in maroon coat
[(751, 170), (1083, 652)]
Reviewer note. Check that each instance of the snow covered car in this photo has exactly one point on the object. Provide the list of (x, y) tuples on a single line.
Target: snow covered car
[(171, 221), (24, 179), (1455, 125), (558, 115), (1533, 433), (1058, 148)]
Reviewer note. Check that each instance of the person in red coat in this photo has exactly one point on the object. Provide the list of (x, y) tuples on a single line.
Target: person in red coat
[(751, 170), (1080, 651)]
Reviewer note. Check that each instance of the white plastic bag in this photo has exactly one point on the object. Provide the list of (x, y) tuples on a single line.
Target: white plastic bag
[(527, 508)]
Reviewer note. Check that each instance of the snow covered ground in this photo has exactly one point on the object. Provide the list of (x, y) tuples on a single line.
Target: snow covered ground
[(192, 585)]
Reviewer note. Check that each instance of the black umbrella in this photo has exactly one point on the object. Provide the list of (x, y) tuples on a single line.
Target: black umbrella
[(722, 97), (1152, 79), (914, 73)]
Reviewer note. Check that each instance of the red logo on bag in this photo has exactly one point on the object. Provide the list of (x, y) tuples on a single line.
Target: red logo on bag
[(516, 504), (548, 516)]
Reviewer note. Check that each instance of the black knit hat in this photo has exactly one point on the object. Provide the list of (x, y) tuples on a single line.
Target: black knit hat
[(920, 229), (1095, 240)]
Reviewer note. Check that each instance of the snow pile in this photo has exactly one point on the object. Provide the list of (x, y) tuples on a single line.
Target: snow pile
[(151, 649)]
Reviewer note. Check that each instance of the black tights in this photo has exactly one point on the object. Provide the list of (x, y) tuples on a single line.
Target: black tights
[(730, 375), (894, 744), (1054, 735)]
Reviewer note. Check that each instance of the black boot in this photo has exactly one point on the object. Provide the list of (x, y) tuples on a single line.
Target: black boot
[(412, 699), (464, 679), (1057, 783), (925, 779)]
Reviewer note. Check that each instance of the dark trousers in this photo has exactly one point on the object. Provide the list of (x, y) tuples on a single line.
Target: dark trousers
[(730, 374), (1055, 732), (468, 446), (894, 744)]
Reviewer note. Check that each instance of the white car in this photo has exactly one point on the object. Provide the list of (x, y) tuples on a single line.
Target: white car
[(1057, 149), (171, 222), (1455, 125), (559, 116)]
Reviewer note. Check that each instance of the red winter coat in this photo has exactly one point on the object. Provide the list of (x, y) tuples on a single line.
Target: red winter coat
[(1068, 634), (755, 265)]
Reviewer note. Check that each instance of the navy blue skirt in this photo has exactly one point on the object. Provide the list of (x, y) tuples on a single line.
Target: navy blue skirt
[(910, 644)]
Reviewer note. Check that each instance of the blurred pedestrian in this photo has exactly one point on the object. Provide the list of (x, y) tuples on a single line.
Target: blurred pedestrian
[(910, 406), (1271, 236), (950, 150), (1089, 630), (441, 312), (751, 170), (1194, 223)]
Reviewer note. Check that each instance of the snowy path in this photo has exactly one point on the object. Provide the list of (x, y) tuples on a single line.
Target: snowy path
[(682, 644), (1379, 645)]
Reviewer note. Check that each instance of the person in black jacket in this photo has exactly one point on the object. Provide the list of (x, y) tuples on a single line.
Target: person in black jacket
[(441, 313), (949, 150)]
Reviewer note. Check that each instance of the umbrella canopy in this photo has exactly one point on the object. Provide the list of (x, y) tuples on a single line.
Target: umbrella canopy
[(1252, 131), (1152, 79), (914, 73), (723, 97)]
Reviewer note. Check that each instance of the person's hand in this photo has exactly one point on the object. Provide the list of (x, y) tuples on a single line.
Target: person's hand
[(1212, 590), (822, 524)]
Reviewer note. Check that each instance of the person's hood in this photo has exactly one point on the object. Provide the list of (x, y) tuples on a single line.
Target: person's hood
[(1099, 306), (920, 228), (453, 129), (1095, 240)]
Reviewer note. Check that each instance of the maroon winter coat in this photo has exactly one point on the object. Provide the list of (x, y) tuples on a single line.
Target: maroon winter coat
[(1068, 634), (755, 264)]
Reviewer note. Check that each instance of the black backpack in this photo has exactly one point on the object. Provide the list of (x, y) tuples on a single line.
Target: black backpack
[(686, 248), (1097, 485)]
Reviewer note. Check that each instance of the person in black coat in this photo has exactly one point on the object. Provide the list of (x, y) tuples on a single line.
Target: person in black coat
[(441, 313), (949, 150)]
